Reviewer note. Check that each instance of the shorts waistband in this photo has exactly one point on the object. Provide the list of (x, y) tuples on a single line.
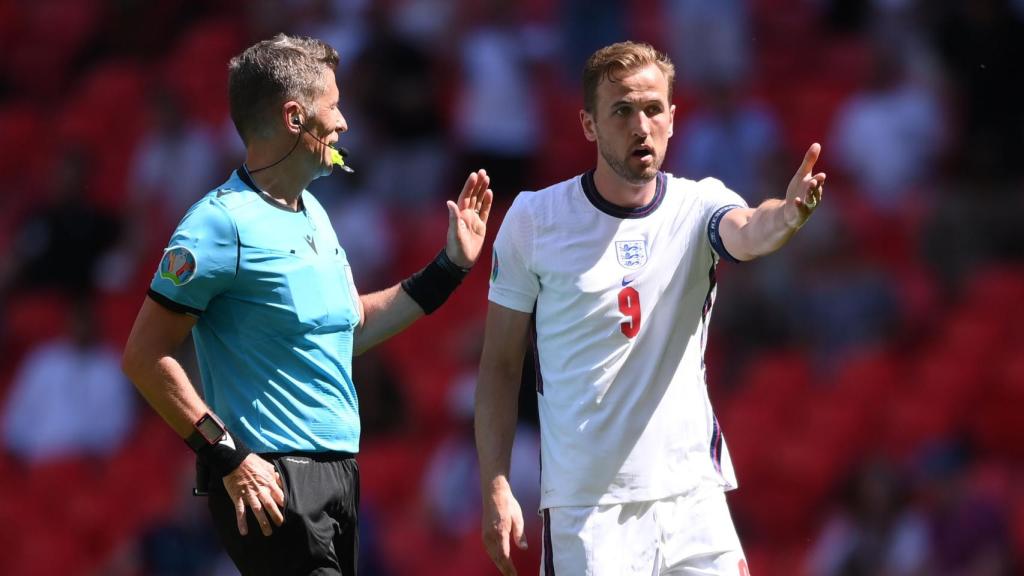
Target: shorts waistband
[(314, 456)]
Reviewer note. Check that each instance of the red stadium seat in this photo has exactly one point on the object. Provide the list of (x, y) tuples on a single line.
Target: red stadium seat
[(116, 313), (197, 68), (997, 287), (560, 151), (45, 547), (778, 376), (996, 426), (106, 118), (48, 38), (24, 158), (33, 318), (1017, 519), (866, 376), (391, 470)]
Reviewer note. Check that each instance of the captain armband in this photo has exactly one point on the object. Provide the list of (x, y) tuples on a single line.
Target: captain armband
[(432, 285)]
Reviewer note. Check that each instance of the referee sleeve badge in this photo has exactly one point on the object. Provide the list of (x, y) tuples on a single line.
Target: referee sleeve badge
[(178, 265)]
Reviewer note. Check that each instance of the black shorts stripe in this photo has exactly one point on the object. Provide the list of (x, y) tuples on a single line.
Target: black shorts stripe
[(549, 560), (538, 377)]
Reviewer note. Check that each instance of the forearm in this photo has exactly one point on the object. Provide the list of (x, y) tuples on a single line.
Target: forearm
[(761, 231), (165, 386), (148, 361), (385, 314), (390, 311), (495, 426)]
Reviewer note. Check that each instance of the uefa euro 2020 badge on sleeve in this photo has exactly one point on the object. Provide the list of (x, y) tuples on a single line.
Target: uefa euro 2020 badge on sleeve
[(178, 265)]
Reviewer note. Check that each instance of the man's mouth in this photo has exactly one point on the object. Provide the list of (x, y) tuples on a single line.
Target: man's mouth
[(642, 152)]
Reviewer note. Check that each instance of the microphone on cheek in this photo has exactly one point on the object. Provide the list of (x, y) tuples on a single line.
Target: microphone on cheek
[(337, 154)]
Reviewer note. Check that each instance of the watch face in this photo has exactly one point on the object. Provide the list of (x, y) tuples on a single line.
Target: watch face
[(210, 429)]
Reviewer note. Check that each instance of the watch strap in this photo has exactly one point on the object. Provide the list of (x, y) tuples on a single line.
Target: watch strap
[(196, 441)]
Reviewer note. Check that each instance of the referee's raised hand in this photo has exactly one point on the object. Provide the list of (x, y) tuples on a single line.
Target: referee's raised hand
[(256, 485), (467, 219)]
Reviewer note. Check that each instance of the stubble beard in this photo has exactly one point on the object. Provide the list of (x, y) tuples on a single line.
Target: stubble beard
[(622, 169)]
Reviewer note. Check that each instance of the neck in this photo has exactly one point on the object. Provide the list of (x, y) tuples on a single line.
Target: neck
[(283, 182), (620, 192)]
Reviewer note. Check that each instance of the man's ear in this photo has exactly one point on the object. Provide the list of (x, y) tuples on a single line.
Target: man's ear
[(671, 119), (290, 112), (589, 125)]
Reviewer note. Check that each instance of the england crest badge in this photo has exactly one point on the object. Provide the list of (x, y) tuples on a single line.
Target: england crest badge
[(632, 254)]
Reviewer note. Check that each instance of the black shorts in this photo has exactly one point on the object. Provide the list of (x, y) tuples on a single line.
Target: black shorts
[(320, 534)]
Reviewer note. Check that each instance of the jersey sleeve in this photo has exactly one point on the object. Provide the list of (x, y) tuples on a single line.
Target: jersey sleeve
[(717, 201), (514, 284), (199, 262)]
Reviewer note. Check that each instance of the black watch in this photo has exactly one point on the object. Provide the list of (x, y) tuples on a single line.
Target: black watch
[(208, 431)]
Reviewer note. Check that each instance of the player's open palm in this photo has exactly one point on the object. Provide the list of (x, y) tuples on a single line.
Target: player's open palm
[(467, 219), (502, 518), (805, 189)]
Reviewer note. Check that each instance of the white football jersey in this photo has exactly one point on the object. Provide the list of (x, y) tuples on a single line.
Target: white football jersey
[(622, 300)]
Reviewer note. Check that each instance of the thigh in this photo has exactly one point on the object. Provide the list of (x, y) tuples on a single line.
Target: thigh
[(698, 536), (617, 540), (306, 542), (345, 511)]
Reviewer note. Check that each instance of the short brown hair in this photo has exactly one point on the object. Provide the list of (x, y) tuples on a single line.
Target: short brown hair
[(272, 72), (613, 61)]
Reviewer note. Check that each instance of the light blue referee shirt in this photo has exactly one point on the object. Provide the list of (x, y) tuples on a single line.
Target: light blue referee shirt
[(276, 308)]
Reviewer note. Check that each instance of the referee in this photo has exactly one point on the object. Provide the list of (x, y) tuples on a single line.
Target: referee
[(255, 272)]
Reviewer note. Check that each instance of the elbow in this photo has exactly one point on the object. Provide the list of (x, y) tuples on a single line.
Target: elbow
[(134, 362), (756, 253), (736, 252), (130, 362), (741, 256), (360, 344)]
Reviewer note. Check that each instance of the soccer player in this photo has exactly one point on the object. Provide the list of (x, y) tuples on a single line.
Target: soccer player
[(613, 273), (255, 271)]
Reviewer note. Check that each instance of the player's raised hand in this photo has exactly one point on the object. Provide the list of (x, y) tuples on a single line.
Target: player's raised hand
[(467, 220), (805, 189), (502, 518)]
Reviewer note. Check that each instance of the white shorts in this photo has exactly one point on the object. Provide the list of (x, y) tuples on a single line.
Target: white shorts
[(689, 535)]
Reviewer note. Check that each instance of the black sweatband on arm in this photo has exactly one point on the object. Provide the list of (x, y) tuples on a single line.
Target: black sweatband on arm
[(224, 456), (430, 287)]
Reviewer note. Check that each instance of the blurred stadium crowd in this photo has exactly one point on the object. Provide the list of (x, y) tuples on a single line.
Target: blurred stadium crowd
[(869, 377)]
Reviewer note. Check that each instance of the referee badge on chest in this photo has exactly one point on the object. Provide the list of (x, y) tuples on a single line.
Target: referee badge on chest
[(632, 254)]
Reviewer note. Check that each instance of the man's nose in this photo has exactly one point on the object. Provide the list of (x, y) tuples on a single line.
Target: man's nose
[(342, 125), (641, 125)]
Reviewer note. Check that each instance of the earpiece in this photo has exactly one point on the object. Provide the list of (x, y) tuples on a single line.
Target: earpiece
[(296, 121)]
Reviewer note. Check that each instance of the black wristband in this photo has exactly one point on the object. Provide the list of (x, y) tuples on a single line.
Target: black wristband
[(433, 285), (224, 456)]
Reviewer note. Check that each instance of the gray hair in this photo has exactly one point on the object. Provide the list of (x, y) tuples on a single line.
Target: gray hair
[(271, 72)]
